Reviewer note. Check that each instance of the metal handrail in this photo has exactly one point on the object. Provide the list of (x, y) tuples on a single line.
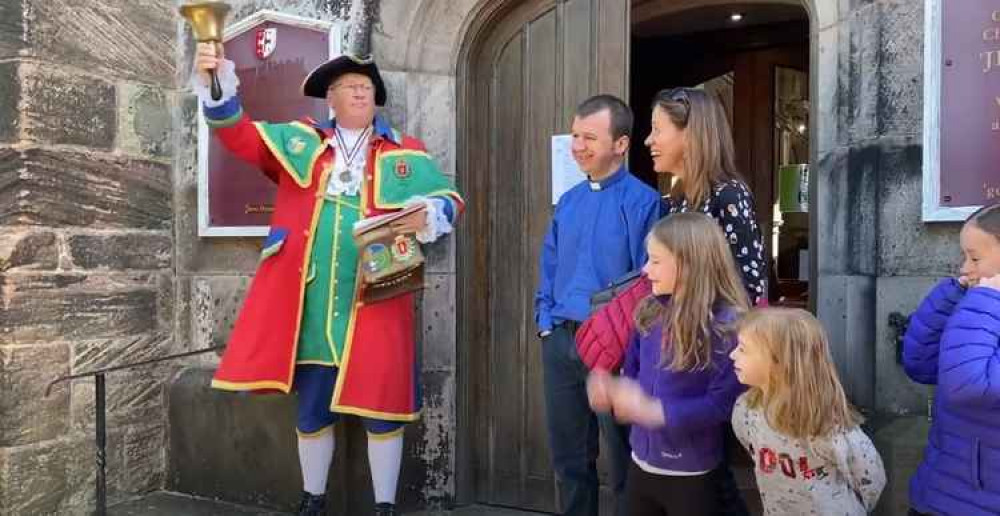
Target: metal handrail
[(100, 419)]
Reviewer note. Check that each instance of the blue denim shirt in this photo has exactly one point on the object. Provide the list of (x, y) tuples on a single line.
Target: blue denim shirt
[(597, 234)]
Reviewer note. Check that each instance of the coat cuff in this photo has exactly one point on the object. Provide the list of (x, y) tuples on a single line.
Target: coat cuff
[(227, 79)]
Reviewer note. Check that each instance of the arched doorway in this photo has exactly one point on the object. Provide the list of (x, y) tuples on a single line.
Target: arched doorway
[(522, 69), (521, 77)]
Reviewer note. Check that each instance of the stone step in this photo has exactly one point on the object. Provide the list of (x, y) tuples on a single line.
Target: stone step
[(174, 504)]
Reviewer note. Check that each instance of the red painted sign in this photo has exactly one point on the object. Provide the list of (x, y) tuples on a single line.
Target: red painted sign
[(970, 103), (272, 59)]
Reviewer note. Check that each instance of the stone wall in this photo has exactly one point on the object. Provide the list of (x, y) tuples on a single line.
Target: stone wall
[(86, 244)]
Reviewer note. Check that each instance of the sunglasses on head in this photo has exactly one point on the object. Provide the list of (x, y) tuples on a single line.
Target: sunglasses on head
[(679, 95)]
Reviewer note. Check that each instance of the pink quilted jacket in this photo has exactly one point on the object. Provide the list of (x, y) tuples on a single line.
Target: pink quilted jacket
[(604, 337)]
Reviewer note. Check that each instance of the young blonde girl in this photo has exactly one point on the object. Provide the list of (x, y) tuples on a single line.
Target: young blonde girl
[(810, 455), (677, 386)]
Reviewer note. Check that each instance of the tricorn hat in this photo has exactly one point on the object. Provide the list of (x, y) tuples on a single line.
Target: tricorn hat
[(322, 76)]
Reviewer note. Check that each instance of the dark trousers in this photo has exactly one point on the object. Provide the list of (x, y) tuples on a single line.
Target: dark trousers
[(662, 495), (573, 429)]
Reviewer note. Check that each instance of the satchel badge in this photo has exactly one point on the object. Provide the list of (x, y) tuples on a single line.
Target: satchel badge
[(402, 169), (295, 145), (403, 248), (377, 258)]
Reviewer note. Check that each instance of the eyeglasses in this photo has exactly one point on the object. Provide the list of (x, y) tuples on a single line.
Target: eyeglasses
[(356, 88)]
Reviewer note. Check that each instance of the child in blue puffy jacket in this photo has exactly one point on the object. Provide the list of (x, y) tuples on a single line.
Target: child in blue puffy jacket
[(953, 341)]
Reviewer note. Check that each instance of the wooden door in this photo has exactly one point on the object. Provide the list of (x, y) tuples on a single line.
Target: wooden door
[(520, 83)]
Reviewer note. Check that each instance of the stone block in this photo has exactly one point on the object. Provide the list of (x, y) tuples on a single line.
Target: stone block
[(27, 415), (42, 308), (209, 255), (907, 246), (859, 75), (428, 476), (826, 66), (902, 36), (259, 437), (64, 188), (145, 458), (440, 255), (897, 299), (438, 323), (142, 251), (56, 476), (132, 397), (10, 95), (129, 39), (391, 41), (12, 21), (65, 108), (395, 111), (145, 122), (846, 307), (430, 116), (34, 479), (28, 250), (215, 304), (435, 36), (846, 206), (901, 103)]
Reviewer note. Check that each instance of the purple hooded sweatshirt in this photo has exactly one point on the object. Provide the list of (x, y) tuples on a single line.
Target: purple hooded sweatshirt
[(697, 404), (953, 341)]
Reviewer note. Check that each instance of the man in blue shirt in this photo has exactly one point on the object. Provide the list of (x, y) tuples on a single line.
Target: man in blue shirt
[(597, 234)]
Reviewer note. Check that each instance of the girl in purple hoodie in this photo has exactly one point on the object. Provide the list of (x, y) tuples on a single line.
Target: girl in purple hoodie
[(953, 342), (677, 386)]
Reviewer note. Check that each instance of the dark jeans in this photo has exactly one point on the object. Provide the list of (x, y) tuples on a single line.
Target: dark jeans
[(573, 429), (663, 495)]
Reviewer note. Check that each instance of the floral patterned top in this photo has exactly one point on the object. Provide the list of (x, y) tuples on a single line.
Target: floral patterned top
[(732, 205)]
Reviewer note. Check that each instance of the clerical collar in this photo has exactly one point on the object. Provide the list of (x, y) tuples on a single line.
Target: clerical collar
[(618, 175)]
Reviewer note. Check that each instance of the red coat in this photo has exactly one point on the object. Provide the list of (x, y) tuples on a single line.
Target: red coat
[(379, 382)]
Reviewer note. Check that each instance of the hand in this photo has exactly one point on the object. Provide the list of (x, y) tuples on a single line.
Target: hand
[(412, 223), (599, 385), (631, 405), (992, 282), (207, 58), (965, 282)]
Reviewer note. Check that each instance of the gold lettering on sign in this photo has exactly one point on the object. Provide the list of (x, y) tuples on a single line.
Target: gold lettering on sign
[(990, 59), (996, 16), (992, 192), (258, 208)]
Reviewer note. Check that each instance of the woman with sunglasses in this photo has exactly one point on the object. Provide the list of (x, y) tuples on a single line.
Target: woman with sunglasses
[(691, 140)]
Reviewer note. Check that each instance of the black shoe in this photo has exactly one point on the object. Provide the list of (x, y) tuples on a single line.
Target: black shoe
[(312, 505), (385, 509)]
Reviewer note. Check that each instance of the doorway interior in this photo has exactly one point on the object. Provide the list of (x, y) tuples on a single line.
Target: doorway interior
[(755, 59)]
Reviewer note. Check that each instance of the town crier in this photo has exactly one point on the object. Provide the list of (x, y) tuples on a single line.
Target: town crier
[(306, 325)]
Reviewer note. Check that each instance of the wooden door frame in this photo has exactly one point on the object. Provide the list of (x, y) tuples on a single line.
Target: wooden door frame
[(493, 22)]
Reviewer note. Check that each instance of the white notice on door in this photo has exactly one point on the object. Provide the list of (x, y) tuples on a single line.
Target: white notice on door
[(565, 172)]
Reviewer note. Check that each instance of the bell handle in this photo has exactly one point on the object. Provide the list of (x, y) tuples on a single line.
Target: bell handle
[(216, 87)]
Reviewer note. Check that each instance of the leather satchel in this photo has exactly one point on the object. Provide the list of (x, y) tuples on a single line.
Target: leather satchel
[(605, 295), (390, 263)]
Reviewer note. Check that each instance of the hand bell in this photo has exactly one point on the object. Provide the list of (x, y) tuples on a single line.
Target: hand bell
[(207, 20)]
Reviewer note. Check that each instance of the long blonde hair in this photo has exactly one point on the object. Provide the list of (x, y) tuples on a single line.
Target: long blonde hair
[(710, 156), (803, 398), (707, 279)]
